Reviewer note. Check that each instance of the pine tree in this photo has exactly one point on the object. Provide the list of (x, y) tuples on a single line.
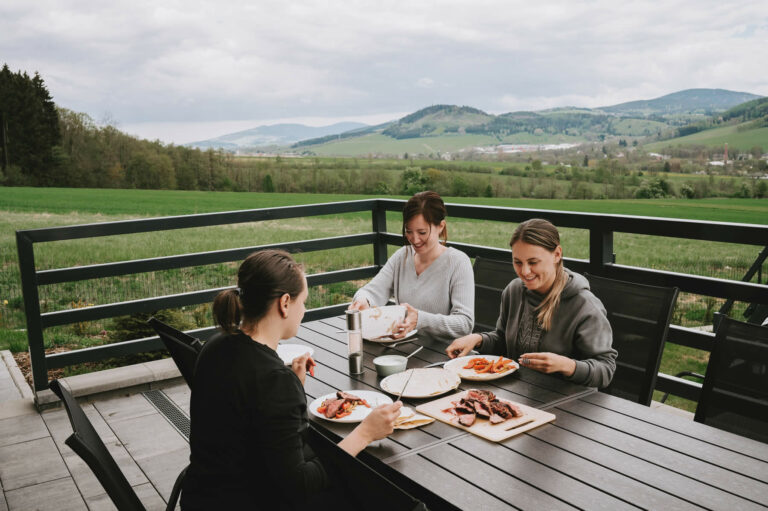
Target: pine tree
[(30, 127)]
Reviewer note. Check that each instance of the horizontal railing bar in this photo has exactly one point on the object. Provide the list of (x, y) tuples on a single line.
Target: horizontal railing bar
[(691, 338), (678, 387), (750, 234), (69, 316), (147, 344), (197, 259), (707, 286), (189, 221)]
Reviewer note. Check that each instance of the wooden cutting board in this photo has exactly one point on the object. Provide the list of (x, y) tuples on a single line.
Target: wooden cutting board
[(532, 418)]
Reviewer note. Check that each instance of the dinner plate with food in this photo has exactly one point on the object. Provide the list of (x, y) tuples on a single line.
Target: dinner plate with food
[(378, 323), (424, 382), (347, 406), (482, 367)]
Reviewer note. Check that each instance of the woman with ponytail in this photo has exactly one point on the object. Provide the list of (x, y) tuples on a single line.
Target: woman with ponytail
[(249, 411), (549, 319)]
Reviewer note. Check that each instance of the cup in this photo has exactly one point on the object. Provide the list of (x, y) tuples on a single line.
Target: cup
[(354, 342)]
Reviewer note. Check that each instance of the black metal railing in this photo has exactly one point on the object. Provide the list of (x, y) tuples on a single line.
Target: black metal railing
[(601, 262)]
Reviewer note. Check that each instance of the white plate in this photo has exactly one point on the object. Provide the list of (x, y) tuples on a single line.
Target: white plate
[(457, 366), (287, 352), (425, 382), (360, 412), (380, 321), (389, 339)]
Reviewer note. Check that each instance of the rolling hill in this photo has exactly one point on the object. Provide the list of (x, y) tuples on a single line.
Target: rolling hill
[(690, 101), (276, 134), (451, 128)]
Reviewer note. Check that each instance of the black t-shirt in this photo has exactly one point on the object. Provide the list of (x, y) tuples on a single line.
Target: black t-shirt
[(249, 420)]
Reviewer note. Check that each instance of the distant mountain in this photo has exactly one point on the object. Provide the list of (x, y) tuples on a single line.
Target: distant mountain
[(276, 134), (690, 101)]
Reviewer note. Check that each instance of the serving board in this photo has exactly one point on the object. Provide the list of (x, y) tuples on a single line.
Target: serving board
[(532, 418)]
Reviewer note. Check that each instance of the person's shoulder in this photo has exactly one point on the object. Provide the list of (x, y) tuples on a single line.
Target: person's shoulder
[(459, 256), (515, 286)]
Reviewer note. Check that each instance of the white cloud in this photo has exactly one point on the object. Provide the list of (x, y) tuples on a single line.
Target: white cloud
[(204, 61)]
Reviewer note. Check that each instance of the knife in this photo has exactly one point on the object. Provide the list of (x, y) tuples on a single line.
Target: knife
[(404, 387)]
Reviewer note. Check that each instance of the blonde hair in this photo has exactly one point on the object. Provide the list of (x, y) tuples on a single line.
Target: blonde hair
[(542, 233)]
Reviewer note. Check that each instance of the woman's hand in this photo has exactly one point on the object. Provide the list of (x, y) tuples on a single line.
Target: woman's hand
[(359, 305), (381, 421), (377, 425), (407, 324), (300, 365), (463, 345), (549, 363)]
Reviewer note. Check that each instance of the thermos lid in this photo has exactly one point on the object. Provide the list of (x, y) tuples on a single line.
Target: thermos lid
[(353, 320)]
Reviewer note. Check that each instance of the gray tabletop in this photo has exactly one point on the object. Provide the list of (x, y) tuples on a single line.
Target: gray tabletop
[(601, 452)]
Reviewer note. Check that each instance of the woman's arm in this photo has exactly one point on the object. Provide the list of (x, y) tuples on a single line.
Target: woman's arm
[(461, 317), (380, 289), (593, 344)]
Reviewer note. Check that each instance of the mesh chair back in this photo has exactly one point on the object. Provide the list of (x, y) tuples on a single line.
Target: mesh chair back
[(639, 317), (183, 348), (87, 444), (360, 484), (734, 396), (491, 277)]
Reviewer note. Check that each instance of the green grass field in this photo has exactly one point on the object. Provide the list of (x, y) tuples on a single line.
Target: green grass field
[(718, 137), (28, 208)]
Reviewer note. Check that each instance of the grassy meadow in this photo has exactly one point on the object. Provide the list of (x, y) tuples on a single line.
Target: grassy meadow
[(717, 137), (29, 208)]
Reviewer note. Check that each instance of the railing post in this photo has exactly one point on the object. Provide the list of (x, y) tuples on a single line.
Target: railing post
[(600, 250), (32, 311), (379, 217)]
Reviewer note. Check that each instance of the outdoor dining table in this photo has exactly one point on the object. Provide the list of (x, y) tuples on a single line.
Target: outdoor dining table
[(601, 452)]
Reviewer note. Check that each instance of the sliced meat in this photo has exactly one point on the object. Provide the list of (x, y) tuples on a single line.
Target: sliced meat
[(346, 395), (516, 411), (501, 409), (467, 419), (496, 419), (484, 396), (482, 410), (333, 407)]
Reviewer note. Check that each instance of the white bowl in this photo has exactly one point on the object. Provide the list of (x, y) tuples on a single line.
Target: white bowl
[(390, 364)]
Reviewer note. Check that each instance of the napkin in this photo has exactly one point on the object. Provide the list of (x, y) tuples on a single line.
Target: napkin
[(409, 419)]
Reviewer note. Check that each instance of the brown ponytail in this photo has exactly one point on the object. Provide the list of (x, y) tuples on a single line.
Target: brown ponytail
[(263, 277), (542, 233)]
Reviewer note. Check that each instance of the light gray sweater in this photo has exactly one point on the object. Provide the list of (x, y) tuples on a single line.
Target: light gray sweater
[(444, 293), (580, 330)]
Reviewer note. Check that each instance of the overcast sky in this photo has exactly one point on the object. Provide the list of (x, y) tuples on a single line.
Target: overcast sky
[(194, 69)]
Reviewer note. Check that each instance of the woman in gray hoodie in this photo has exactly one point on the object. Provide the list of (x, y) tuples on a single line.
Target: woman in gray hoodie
[(549, 319)]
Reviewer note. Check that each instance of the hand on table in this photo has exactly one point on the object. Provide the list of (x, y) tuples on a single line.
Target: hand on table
[(463, 345), (407, 324), (303, 364), (548, 363)]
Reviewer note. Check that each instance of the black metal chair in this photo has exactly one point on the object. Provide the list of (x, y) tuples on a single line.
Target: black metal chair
[(363, 487), (86, 443), (491, 277), (183, 348), (639, 315), (734, 396)]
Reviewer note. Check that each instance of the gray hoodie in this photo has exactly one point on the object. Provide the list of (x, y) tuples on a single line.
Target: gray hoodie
[(579, 330)]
